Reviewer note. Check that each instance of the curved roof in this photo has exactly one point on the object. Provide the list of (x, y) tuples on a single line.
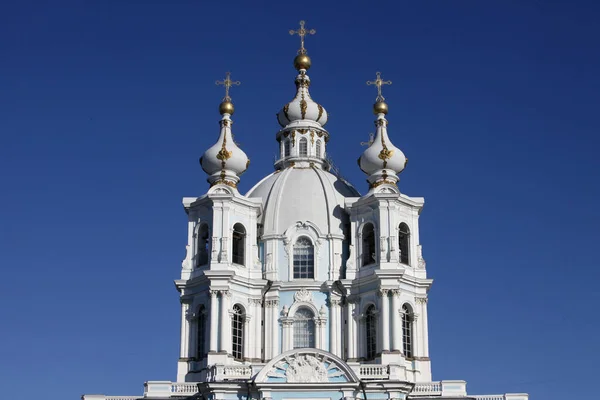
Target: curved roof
[(302, 194)]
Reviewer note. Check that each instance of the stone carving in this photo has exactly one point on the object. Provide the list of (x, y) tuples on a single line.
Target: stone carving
[(303, 295), (269, 262), (306, 369)]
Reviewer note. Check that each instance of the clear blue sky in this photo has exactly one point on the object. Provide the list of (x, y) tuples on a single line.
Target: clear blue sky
[(106, 106)]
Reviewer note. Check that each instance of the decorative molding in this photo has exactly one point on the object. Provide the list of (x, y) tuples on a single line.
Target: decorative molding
[(271, 303), (382, 292), (421, 300), (303, 295), (396, 292)]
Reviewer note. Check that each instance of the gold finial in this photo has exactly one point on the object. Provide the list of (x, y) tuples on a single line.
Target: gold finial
[(302, 32), (227, 82), (379, 83), (226, 106)]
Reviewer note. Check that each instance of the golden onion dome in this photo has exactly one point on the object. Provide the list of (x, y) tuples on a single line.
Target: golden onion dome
[(226, 107), (302, 61), (380, 107)]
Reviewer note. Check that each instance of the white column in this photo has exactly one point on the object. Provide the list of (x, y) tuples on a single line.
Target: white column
[(335, 327), (385, 320), (247, 350), (214, 328), (225, 326), (351, 334), (424, 347), (274, 327), (287, 327), (185, 331), (396, 329)]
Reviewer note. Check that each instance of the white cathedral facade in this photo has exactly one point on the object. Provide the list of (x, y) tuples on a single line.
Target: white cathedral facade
[(303, 288)]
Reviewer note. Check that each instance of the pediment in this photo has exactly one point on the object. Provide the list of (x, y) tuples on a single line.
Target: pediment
[(306, 366)]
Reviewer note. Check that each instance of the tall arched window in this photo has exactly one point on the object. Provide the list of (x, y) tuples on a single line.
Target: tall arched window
[(407, 339), (304, 328), (237, 332), (303, 147), (318, 148), (238, 244), (286, 148), (202, 249), (201, 333), (371, 332), (403, 243), (304, 259), (368, 244)]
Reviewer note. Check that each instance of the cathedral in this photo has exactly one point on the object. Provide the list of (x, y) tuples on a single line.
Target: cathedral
[(303, 288)]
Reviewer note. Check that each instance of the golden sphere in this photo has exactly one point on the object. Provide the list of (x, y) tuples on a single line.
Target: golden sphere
[(302, 61), (380, 108), (226, 107)]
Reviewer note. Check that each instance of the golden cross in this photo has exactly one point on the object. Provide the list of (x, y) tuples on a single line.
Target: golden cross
[(227, 82), (379, 83), (302, 32)]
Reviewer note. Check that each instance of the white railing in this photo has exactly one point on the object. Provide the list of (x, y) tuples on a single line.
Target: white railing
[(490, 397), (427, 389), (224, 372), (122, 397), (184, 387), (374, 372)]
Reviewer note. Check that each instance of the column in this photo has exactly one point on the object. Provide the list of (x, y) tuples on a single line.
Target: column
[(287, 328), (424, 345), (396, 328), (335, 327), (214, 328), (185, 330), (274, 327), (258, 329), (247, 350), (385, 320), (225, 326), (351, 333)]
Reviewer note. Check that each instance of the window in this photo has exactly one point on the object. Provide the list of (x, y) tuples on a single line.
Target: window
[(304, 329), (318, 149), (286, 148), (403, 243), (303, 148), (237, 332), (407, 319), (368, 244), (238, 244), (304, 259), (202, 250), (201, 333), (371, 337)]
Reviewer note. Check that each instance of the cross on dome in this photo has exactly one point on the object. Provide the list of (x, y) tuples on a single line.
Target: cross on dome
[(302, 32), (227, 82), (379, 83)]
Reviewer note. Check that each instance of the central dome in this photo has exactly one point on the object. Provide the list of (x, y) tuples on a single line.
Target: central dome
[(302, 194)]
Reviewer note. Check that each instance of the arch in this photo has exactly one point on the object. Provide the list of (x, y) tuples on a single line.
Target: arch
[(304, 258), (202, 245), (237, 331), (318, 149), (407, 330), (404, 243), (238, 244), (276, 369), (201, 332), (304, 328), (286, 148), (303, 147), (369, 253), (370, 332)]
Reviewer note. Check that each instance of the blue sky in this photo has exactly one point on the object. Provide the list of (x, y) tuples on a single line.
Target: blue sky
[(106, 106)]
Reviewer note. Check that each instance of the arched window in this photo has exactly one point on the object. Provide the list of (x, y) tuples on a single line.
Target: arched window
[(303, 147), (318, 148), (304, 259), (286, 148), (407, 339), (201, 333), (304, 328), (371, 334), (202, 249), (238, 244), (403, 243), (237, 332), (368, 244)]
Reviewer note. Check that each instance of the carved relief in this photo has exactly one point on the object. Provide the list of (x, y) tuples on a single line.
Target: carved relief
[(303, 295), (420, 260), (305, 369)]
